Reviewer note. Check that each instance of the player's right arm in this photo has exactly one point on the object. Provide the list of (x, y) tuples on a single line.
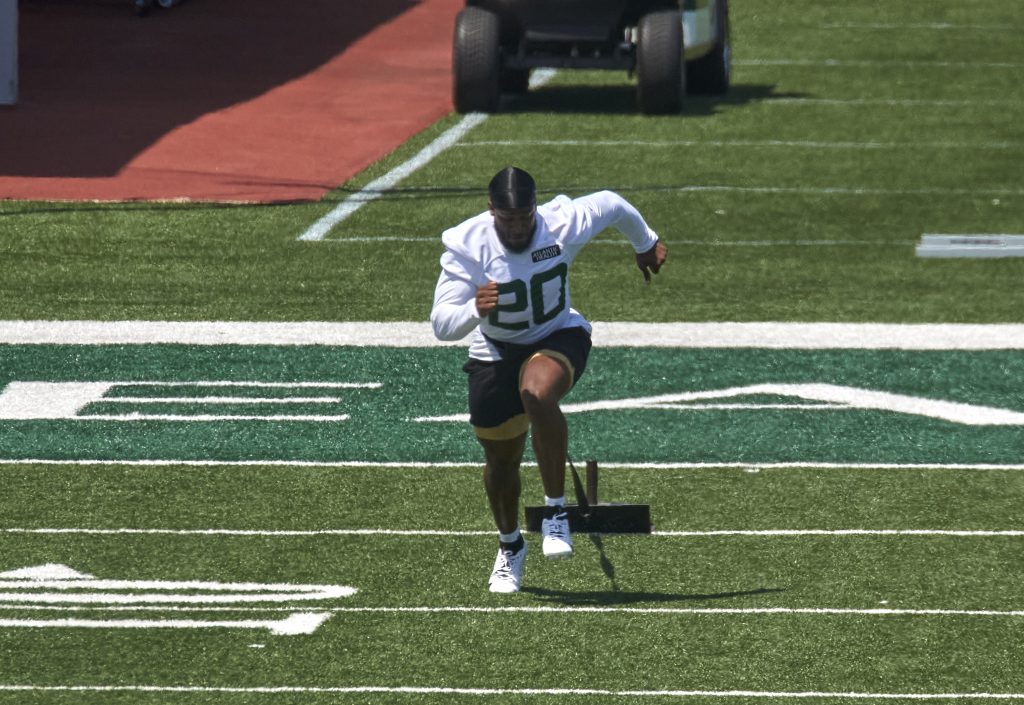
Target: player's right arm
[(459, 303)]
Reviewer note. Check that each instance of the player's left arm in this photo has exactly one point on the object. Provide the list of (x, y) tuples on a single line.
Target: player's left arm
[(607, 209)]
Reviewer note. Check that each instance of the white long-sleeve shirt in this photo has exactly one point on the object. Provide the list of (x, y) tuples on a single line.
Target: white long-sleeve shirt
[(533, 285)]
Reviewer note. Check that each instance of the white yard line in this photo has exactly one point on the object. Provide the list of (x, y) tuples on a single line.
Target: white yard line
[(502, 692), (803, 336), (722, 533), (378, 187), (434, 240), (864, 63), (543, 609), (787, 144), (920, 25), (474, 465), (889, 102)]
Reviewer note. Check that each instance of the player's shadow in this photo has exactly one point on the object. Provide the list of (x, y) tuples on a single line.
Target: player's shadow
[(615, 596), (621, 99), (607, 598)]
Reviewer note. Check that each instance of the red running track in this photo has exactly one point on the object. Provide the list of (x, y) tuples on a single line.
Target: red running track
[(218, 100)]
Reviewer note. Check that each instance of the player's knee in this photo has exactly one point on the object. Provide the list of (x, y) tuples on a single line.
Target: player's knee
[(538, 398)]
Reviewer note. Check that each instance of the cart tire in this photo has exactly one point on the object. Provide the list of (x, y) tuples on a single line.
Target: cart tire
[(711, 73), (659, 63), (476, 61)]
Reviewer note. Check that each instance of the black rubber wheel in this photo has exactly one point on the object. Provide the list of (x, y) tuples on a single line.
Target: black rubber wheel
[(712, 73), (659, 62), (476, 61)]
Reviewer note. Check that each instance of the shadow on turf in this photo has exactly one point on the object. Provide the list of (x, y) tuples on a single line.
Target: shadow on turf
[(616, 597), (604, 99)]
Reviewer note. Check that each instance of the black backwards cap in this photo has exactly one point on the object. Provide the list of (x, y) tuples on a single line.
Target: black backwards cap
[(512, 188)]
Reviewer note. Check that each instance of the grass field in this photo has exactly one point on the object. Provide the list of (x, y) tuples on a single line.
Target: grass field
[(832, 524)]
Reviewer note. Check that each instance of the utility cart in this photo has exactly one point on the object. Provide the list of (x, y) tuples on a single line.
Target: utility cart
[(674, 47)]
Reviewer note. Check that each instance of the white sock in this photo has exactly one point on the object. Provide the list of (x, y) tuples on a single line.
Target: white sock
[(509, 538), (554, 501)]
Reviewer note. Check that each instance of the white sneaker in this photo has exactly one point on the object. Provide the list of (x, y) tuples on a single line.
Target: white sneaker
[(507, 575), (555, 529)]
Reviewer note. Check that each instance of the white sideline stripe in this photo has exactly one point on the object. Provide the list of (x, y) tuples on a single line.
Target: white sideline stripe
[(742, 143), (548, 609), (918, 25), (964, 533), (859, 63), (891, 102), (376, 188), (620, 243), (847, 190), (475, 465), (773, 335), (504, 692)]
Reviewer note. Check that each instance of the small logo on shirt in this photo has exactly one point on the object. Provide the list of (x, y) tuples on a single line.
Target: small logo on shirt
[(546, 253)]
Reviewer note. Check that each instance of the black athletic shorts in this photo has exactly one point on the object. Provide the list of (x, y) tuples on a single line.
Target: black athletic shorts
[(495, 407)]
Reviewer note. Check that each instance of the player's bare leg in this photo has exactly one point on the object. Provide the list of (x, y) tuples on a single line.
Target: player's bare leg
[(544, 382), (501, 479)]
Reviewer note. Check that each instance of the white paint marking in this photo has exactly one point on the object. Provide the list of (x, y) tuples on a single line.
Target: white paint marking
[(506, 692), (350, 239), (919, 25), (866, 63), (297, 623), (579, 609), (55, 586), (68, 401), (685, 611), (49, 400), (402, 334), (846, 191), (206, 418), (971, 245), (849, 397), (473, 465), (717, 533), (891, 102), (259, 385), (788, 144), (378, 187), (221, 400), (91, 590)]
